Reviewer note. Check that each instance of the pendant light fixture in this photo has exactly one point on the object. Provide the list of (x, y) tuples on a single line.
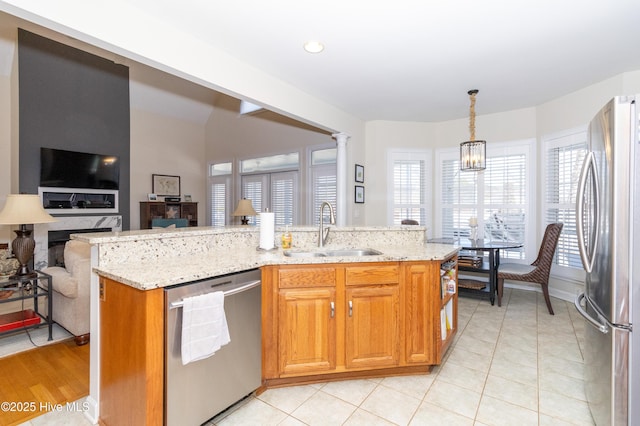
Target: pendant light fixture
[(473, 152)]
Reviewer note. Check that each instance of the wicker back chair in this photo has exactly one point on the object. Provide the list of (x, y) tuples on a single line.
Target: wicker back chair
[(538, 271)]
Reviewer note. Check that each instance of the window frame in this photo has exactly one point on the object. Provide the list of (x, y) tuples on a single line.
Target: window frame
[(227, 181), (562, 139), (426, 156)]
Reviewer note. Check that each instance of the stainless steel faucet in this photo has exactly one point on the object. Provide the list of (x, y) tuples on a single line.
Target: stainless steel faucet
[(322, 235)]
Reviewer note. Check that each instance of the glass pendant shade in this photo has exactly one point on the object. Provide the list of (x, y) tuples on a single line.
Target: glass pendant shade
[(473, 155)]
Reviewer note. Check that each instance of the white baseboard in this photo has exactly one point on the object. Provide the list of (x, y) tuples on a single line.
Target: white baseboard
[(560, 288), (92, 413)]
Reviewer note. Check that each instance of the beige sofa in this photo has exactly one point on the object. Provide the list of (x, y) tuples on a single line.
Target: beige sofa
[(71, 289)]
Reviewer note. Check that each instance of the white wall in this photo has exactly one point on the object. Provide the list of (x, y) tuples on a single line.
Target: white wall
[(166, 145)]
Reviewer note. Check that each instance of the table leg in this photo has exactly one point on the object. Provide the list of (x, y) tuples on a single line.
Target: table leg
[(50, 307), (492, 277)]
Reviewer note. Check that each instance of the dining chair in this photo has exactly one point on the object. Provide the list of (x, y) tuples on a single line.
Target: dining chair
[(409, 222), (538, 271)]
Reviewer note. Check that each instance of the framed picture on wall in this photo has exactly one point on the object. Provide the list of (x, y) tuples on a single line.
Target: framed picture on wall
[(165, 185), (359, 173), (359, 194)]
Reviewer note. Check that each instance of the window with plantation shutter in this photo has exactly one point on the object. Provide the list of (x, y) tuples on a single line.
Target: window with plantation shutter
[(220, 193), (322, 180), (274, 182), (220, 209), (505, 196), (410, 190), (324, 183), (284, 190), (499, 197), (276, 191), (272, 189), (253, 188), (458, 197), (564, 154)]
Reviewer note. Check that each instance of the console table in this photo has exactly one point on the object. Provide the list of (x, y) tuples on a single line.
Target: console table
[(167, 210), (14, 289)]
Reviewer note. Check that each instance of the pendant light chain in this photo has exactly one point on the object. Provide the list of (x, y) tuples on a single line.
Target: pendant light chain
[(472, 114)]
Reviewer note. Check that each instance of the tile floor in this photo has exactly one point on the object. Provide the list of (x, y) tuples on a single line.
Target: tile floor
[(511, 365)]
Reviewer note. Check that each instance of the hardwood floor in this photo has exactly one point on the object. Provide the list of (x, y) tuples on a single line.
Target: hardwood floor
[(32, 382)]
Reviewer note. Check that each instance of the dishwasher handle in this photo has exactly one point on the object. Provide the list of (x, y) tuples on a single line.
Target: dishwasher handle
[(240, 289)]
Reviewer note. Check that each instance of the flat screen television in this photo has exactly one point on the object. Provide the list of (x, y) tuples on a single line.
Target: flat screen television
[(71, 169)]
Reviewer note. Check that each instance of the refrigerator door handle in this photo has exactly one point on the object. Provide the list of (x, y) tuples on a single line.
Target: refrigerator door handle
[(602, 327), (587, 255), (604, 324)]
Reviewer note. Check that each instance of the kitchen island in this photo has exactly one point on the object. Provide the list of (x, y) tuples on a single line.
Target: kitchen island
[(400, 288)]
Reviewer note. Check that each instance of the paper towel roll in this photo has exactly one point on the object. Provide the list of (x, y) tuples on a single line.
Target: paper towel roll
[(267, 230)]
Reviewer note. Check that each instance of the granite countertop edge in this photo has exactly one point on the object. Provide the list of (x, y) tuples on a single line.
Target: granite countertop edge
[(184, 269)]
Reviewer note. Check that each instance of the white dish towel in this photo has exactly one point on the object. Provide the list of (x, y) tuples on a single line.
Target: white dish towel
[(204, 326)]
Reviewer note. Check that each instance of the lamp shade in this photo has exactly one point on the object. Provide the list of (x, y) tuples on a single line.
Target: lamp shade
[(245, 208), (24, 209)]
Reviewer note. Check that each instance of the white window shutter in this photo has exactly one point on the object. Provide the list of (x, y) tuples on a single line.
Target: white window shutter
[(324, 188), (564, 157)]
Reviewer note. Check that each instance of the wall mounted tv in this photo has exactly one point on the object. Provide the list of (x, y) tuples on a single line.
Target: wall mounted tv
[(71, 169)]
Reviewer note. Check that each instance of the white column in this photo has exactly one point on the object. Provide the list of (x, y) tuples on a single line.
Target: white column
[(341, 178)]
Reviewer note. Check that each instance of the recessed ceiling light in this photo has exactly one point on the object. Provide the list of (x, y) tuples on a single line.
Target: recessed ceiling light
[(313, 46)]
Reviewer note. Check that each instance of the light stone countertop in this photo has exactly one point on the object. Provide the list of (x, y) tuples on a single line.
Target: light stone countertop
[(184, 269), (150, 259)]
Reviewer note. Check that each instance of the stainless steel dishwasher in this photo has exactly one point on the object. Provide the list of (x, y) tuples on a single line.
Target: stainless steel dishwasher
[(199, 390)]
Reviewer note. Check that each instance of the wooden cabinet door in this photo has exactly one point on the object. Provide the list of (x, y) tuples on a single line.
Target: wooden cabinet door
[(421, 311), (131, 355), (372, 326), (306, 330)]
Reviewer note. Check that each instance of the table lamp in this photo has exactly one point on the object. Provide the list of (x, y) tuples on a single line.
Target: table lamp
[(244, 209), (23, 209)]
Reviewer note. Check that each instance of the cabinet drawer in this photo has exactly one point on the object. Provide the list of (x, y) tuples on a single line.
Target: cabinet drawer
[(306, 277), (372, 274)]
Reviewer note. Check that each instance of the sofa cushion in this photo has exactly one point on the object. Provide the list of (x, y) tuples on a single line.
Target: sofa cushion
[(62, 281), (75, 251)]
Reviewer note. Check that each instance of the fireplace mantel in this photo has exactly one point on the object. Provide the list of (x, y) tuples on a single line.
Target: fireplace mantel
[(41, 232)]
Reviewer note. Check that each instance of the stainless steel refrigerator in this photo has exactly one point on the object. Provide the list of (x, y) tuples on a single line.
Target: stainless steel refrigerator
[(608, 226)]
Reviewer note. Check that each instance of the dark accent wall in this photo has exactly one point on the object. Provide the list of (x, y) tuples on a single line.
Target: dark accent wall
[(72, 100)]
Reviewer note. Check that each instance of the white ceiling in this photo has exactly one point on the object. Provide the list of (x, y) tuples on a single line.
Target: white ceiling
[(407, 60)]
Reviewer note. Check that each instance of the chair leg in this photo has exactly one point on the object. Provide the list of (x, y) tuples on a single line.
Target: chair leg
[(500, 288), (545, 291)]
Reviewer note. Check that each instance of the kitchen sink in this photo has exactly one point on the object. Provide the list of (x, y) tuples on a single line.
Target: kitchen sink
[(332, 253), (290, 253), (353, 252)]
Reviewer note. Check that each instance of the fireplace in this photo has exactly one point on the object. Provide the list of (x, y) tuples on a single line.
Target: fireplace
[(57, 240), (61, 229)]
